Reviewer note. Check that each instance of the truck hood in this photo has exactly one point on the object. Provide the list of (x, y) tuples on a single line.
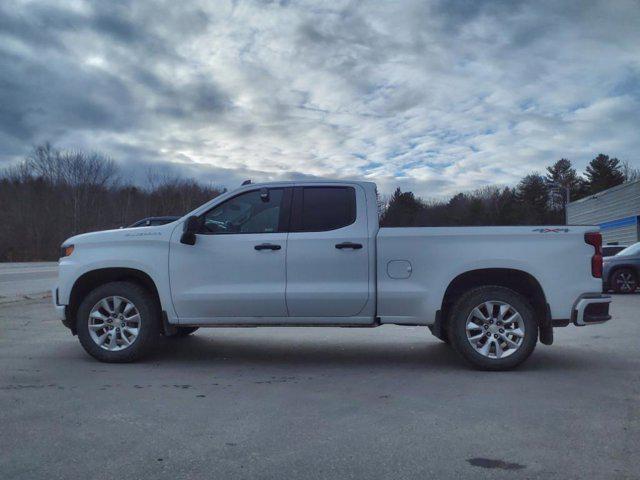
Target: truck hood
[(120, 234)]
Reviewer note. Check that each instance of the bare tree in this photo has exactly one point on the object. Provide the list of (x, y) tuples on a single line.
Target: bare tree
[(631, 174), (54, 194)]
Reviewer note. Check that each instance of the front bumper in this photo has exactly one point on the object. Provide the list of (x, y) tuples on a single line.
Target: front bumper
[(61, 310), (591, 309)]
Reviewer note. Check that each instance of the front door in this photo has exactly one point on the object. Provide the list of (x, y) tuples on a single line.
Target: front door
[(237, 266)]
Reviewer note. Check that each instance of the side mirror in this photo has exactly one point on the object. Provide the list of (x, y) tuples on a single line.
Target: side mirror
[(189, 230)]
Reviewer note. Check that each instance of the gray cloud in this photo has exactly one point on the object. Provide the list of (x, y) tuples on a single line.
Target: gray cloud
[(434, 96)]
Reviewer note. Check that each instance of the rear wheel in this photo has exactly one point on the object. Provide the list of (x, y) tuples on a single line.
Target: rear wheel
[(493, 328), (624, 280), (118, 322)]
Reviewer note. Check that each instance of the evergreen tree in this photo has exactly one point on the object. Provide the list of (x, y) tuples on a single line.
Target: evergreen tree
[(533, 199), (562, 173), (458, 209), (402, 210), (604, 172), (508, 207)]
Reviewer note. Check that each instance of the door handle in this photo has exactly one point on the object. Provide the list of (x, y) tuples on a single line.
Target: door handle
[(267, 246), (354, 246)]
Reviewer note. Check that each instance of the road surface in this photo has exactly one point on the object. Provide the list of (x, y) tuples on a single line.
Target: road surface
[(317, 403), (26, 280)]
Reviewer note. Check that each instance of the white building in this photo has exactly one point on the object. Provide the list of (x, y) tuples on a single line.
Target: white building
[(615, 210)]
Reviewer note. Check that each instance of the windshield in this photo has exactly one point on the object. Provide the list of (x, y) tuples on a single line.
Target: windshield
[(630, 250)]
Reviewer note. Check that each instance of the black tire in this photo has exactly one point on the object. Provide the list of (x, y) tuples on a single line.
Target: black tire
[(444, 335), (460, 312), (148, 330), (182, 332), (624, 280)]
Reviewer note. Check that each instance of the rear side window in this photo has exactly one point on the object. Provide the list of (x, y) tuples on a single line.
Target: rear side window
[(327, 208)]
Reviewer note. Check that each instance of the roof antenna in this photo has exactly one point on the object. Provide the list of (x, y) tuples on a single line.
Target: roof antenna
[(246, 182)]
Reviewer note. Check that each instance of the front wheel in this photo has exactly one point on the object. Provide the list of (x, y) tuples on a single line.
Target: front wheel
[(493, 328), (118, 322)]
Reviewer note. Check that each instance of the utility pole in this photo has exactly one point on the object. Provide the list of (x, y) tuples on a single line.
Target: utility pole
[(567, 199)]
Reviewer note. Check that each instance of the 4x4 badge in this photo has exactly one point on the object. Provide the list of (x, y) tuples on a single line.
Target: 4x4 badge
[(551, 230)]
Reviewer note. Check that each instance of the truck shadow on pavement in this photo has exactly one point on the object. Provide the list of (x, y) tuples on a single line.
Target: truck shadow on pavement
[(243, 351), (204, 348)]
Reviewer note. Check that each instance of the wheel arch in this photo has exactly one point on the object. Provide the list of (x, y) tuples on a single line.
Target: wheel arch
[(517, 280), (92, 279)]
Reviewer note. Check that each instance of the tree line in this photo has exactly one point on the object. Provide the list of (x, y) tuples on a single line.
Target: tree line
[(54, 194), (537, 199)]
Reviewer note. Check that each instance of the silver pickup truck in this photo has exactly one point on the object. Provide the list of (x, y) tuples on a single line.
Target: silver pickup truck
[(313, 254)]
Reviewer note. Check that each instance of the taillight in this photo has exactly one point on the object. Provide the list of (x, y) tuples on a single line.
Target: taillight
[(595, 239)]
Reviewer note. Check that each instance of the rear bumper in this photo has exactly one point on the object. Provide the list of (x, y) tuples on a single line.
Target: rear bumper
[(591, 309)]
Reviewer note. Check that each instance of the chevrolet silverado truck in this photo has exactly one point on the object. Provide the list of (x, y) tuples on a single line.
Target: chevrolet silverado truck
[(313, 254)]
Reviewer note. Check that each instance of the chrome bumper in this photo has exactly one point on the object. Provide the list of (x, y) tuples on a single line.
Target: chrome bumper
[(591, 309)]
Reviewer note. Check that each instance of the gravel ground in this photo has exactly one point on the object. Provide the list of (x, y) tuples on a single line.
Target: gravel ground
[(317, 403)]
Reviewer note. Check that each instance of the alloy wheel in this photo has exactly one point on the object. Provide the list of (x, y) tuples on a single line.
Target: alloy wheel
[(495, 329), (626, 282), (114, 323)]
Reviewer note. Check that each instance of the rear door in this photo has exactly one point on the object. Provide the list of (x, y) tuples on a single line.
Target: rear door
[(328, 252)]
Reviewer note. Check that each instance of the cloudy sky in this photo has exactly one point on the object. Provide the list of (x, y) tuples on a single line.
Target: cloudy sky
[(433, 96)]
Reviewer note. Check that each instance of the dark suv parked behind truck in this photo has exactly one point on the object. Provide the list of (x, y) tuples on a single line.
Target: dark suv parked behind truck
[(621, 272)]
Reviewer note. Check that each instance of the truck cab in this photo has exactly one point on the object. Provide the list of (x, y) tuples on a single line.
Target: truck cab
[(265, 255)]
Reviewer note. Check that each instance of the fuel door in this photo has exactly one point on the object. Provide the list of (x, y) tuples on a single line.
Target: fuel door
[(399, 269)]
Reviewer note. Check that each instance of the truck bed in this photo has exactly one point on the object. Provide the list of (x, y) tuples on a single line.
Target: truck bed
[(416, 265)]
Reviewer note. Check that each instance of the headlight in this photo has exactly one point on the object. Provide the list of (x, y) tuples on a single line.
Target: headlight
[(66, 250)]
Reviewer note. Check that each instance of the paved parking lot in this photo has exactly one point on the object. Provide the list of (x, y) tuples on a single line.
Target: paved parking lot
[(26, 280), (295, 403)]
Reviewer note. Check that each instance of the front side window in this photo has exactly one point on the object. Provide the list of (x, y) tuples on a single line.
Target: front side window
[(327, 208), (257, 211)]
